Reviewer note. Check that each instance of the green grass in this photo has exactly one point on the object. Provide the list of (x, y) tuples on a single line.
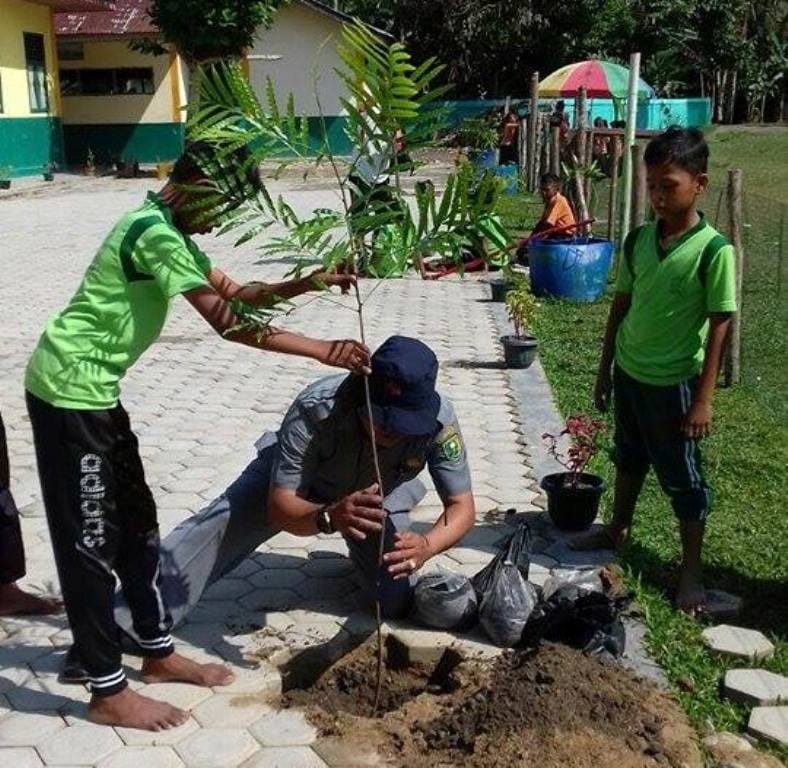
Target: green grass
[(746, 549)]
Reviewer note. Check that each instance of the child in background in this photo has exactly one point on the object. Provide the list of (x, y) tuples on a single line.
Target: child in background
[(557, 211), (675, 295)]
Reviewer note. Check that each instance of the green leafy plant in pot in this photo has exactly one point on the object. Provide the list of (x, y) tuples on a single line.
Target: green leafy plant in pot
[(520, 350), (481, 140), (5, 177), (573, 496)]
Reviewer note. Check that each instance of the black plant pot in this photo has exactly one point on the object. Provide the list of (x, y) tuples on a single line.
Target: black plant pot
[(573, 508), (5, 183), (499, 289), (519, 351), (49, 176)]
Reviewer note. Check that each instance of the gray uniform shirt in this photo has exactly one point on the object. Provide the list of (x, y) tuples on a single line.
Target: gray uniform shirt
[(324, 454)]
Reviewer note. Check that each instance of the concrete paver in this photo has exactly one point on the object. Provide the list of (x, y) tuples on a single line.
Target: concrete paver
[(738, 641), (756, 686), (770, 723)]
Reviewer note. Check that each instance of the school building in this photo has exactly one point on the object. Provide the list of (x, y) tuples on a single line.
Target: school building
[(123, 105), (31, 111)]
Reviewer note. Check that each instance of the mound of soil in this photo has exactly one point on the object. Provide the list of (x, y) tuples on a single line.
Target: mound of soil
[(553, 707)]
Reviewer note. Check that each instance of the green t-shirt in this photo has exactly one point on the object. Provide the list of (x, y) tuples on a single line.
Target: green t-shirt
[(118, 310), (662, 339)]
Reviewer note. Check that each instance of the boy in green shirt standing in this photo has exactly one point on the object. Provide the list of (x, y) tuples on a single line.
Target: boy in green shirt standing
[(101, 513), (675, 295)]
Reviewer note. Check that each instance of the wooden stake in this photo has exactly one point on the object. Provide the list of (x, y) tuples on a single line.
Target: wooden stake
[(555, 150), (522, 147), (533, 120), (639, 188), (544, 163), (735, 232), (612, 206), (589, 160)]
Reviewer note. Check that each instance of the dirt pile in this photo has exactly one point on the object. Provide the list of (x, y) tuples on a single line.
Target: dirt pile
[(548, 708)]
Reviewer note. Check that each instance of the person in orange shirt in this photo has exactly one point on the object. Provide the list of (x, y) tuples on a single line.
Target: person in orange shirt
[(557, 211)]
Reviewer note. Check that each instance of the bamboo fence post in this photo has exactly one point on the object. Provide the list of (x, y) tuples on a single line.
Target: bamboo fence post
[(639, 188), (533, 117), (537, 153), (589, 160), (522, 147), (555, 150), (613, 199), (735, 229), (629, 140), (544, 165)]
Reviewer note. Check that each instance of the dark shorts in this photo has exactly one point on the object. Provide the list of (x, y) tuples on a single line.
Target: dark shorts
[(648, 434)]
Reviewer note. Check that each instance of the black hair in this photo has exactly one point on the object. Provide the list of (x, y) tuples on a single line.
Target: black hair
[(559, 105), (548, 179), (684, 147)]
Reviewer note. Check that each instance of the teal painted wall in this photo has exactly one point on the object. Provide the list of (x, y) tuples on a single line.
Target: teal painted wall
[(143, 142), (654, 115), (27, 143)]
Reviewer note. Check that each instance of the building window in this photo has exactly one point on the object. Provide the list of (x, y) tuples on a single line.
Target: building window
[(126, 81), (70, 50), (35, 61)]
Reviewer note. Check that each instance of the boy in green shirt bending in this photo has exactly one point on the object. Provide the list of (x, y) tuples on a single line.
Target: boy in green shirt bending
[(101, 513), (675, 295)]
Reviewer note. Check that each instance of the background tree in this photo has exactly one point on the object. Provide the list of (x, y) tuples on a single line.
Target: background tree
[(212, 29)]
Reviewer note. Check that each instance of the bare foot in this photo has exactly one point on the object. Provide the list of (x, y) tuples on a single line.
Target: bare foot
[(16, 602), (601, 538), (178, 669), (129, 709), (690, 595)]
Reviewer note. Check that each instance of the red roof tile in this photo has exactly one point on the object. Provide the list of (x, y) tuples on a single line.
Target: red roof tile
[(129, 17)]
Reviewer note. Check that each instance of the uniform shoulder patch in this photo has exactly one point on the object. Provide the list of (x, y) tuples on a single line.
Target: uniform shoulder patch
[(449, 443)]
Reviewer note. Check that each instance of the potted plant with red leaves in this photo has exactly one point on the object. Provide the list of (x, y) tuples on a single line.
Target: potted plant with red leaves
[(520, 349), (573, 496)]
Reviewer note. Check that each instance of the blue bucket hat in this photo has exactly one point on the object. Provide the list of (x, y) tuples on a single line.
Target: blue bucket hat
[(402, 387)]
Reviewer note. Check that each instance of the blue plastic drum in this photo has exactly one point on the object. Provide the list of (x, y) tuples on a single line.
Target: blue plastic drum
[(574, 269)]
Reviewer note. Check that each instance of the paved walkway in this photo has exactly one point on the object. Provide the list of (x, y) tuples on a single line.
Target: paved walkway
[(197, 404)]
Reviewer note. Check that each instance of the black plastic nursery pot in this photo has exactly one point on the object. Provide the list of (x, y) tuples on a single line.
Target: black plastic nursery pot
[(5, 183), (519, 351), (499, 289), (573, 508)]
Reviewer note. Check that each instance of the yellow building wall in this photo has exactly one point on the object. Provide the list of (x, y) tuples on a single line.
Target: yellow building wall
[(158, 107), (16, 18)]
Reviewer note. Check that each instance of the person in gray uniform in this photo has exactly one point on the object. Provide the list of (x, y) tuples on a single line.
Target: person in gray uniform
[(316, 475)]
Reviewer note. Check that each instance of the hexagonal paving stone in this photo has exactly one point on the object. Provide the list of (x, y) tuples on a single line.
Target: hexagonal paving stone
[(26, 729), (756, 686), (79, 745), (277, 578), (263, 679), (229, 710), (329, 567), (182, 695), (325, 588), (270, 599), (738, 641), (288, 728), (214, 748), (770, 723), (137, 738), (42, 695), (143, 757), (285, 757), (20, 757), (227, 589)]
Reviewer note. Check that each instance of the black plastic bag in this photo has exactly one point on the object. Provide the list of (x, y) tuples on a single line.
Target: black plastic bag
[(577, 615), (445, 600), (506, 598)]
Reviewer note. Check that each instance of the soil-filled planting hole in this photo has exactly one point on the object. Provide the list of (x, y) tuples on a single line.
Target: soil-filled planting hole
[(549, 707), (349, 685)]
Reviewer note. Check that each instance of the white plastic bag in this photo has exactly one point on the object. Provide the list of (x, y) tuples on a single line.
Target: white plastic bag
[(585, 579)]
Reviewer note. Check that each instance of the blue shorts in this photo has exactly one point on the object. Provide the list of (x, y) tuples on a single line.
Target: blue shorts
[(648, 434)]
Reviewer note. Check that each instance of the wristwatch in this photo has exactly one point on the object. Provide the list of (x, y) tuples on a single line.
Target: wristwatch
[(324, 524)]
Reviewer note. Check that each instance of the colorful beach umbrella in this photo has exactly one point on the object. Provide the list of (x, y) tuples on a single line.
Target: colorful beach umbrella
[(602, 80)]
